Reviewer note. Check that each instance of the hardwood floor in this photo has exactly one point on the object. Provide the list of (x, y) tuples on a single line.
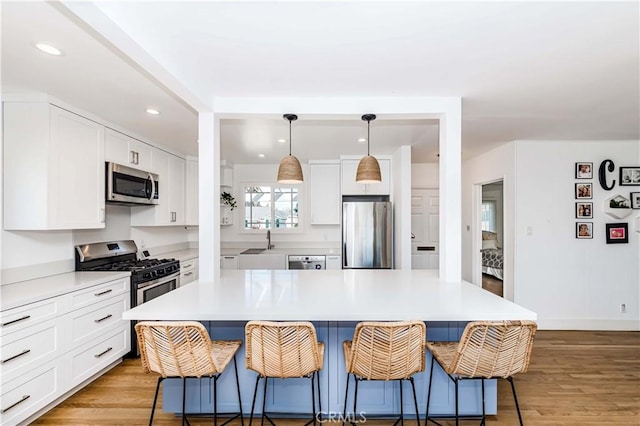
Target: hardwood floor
[(492, 284), (575, 378)]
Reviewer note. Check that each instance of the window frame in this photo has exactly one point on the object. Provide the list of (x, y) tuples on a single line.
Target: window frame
[(494, 203), (272, 185)]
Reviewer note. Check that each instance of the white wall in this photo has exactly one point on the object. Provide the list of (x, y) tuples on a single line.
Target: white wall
[(573, 283), (425, 175)]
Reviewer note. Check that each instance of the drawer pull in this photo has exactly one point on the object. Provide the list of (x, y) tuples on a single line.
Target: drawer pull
[(24, 352), (188, 273), (187, 266), (24, 398), (102, 353), (15, 321), (103, 292), (102, 319)]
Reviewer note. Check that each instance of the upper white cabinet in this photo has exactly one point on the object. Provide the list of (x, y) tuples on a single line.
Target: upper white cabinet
[(192, 196), (324, 193), (170, 209), (53, 168), (125, 150), (350, 187)]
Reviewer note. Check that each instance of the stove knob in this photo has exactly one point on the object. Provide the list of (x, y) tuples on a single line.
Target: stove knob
[(152, 273), (146, 275), (160, 271)]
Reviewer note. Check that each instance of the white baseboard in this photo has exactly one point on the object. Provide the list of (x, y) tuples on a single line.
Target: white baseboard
[(589, 324)]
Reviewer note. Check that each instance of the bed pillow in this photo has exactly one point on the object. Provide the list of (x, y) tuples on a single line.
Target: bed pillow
[(489, 244)]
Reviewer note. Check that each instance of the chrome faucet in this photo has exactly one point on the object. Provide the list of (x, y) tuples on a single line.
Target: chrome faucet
[(269, 245)]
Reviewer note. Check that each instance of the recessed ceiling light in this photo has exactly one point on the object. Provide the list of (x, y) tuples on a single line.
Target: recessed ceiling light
[(46, 48), (362, 139), (153, 111), (261, 155), (282, 140)]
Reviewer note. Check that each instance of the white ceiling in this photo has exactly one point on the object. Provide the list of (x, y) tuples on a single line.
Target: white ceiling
[(540, 70)]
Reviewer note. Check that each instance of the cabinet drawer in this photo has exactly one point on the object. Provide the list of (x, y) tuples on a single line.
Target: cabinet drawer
[(98, 293), (24, 396), (93, 356), (88, 322), (17, 319), (188, 265), (24, 350)]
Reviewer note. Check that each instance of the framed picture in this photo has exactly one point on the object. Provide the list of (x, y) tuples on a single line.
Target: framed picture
[(617, 233), (630, 176), (584, 230), (584, 170), (584, 191), (635, 200), (584, 210)]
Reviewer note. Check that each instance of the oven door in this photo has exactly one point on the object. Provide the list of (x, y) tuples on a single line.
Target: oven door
[(151, 289)]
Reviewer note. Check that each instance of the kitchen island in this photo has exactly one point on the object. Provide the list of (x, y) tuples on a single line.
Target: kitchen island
[(334, 300)]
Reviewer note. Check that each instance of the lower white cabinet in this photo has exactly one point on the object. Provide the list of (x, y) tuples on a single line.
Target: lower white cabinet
[(334, 261), (189, 271), (228, 262), (53, 345)]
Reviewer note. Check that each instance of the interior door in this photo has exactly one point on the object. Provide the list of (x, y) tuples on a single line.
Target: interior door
[(425, 228)]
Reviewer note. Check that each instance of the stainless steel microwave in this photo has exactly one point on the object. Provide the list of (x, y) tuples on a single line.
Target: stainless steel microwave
[(125, 185)]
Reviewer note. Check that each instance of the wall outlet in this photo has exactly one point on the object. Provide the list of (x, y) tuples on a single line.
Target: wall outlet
[(623, 308)]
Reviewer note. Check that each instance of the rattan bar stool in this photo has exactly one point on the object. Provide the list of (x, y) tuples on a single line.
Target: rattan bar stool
[(486, 350), (385, 351), (184, 350), (283, 350)]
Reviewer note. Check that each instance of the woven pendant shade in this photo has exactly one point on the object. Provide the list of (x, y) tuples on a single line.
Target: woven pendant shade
[(290, 170), (368, 168)]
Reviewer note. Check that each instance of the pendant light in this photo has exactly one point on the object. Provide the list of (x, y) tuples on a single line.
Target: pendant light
[(368, 168), (290, 170)]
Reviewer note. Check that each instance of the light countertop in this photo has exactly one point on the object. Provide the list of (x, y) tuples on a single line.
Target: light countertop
[(181, 255), (24, 292), (329, 295)]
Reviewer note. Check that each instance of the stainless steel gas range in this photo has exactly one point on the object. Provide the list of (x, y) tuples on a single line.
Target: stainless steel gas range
[(150, 278)]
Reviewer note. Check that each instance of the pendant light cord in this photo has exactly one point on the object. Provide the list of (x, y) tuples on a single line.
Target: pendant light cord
[(289, 137), (368, 135)]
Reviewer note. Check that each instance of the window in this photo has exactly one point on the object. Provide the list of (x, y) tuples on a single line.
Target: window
[(488, 216), (271, 207)]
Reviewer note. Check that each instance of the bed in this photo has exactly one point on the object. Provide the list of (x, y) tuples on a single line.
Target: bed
[(492, 256)]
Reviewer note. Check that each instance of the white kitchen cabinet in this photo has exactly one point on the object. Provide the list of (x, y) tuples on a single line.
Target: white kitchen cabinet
[(262, 261), (350, 187), (192, 195), (189, 271), (51, 346), (228, 262), (324, 193), (125, 150), (334, 261), (54, 169), (170, 210)]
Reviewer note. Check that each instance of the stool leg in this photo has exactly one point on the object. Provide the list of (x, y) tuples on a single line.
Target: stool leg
[(455, 382), (215, 400), (155, 399), (426, 418), (515, 398), (253, 404), (319, 396), (482, 423), (346, 392), (313, 397), (401, 405), (355, 396), (184, 397), (264, 401), (235, 366), (415, 399)]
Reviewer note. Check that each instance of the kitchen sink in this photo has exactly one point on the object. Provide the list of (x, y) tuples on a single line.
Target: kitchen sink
[(253, 251)]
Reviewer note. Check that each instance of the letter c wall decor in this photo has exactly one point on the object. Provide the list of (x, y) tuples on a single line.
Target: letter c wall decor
[(602, 174)]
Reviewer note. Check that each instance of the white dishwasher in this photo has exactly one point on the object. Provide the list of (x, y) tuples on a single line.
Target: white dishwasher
[(307, 262)]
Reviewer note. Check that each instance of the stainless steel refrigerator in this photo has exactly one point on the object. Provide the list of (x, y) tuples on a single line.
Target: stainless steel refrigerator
[(367, 237)]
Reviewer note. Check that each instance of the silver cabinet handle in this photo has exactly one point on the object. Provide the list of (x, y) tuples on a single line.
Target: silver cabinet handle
[(188, 273), (187, 266), (16, 320), (24, 352), (229, 257), (137, 157), (104, 352), (133, 157), (102, 319), (24, 398), (103, 292)]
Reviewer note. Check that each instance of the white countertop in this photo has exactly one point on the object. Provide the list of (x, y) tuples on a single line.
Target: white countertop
[(24, 292), (329, 295)]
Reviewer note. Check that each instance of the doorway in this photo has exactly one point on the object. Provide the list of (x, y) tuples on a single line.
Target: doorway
[(425, 229), (492, 226)]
